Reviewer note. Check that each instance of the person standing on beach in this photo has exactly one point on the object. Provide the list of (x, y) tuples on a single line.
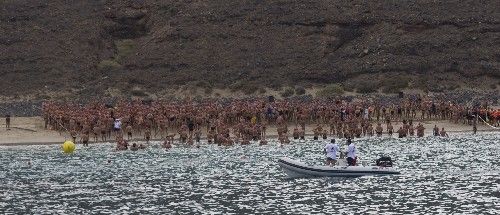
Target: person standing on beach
[(147, 135), (117, 126), (129, 129), (7, 122), (97, 131), (197, 135)]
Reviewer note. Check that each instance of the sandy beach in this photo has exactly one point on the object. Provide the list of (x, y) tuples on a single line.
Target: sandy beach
[(31, 131)]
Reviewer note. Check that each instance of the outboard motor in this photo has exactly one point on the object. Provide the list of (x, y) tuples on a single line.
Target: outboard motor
[(384, 162)]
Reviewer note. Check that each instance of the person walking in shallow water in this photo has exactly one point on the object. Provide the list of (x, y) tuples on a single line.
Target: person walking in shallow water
[(7, 122), (436, 131), (474, 126)]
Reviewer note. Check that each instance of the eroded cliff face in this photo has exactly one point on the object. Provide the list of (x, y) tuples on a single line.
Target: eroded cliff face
[(86, 47)]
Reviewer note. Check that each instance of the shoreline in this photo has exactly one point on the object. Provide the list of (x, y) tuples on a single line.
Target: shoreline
[(28, 131), (270, 137)]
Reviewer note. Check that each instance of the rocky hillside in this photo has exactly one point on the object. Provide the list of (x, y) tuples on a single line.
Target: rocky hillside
[(100, 47)]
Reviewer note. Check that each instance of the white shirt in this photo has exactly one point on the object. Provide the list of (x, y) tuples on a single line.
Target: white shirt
[(331, 150), (351, 151), (118, 124)]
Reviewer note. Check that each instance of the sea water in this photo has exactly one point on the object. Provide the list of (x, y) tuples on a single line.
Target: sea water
[(452, 175)]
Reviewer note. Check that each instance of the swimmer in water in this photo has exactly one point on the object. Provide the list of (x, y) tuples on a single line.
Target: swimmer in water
[(167, 145), (134, 147), (443, 133)]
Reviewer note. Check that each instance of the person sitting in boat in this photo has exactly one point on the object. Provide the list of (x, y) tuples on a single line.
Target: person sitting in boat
[(351, 153), (331, 150)]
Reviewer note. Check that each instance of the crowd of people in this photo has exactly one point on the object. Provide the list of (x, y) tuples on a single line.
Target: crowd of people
[(230, 121)]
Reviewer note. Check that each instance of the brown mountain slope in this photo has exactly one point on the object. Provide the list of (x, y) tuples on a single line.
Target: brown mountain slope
[(152, 44)]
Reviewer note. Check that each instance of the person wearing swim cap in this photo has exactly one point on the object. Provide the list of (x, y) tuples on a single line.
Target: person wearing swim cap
[(331, 150)]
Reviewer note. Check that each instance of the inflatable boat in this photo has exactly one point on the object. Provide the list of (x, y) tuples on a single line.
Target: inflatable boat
[(297, 169)]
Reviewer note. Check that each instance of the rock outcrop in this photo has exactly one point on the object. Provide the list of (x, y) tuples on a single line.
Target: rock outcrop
[(87, 47)]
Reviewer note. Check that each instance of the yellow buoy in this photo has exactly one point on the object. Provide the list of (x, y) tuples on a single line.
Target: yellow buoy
[(68, 147)]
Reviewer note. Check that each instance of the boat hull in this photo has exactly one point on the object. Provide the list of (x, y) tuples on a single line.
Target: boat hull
[(296, 169)]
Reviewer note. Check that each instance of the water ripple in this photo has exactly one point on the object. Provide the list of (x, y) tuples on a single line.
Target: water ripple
[(440, 176)]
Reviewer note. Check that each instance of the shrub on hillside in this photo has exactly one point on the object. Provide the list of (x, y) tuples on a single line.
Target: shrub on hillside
[(348, 87), (236, 86), (394, 85), (453, 86), (275, 84), (366, 87), (436, 88), (138, 93), (287, 92), (209, 90), (330, 91), (300, 91), (203, 84), (249, 89), (124, 48), (108, 65)]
